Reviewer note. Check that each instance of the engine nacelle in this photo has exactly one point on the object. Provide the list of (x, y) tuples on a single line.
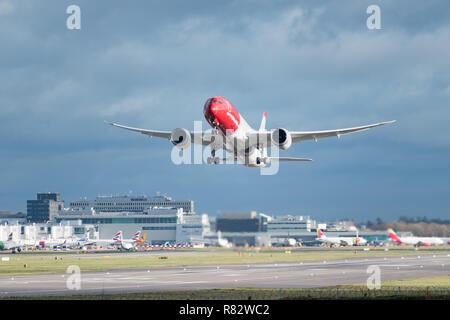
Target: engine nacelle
[(281, 138), (180, 138)]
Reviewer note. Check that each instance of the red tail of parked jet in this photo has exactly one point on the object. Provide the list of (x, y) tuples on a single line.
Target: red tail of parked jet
[(394, 237), (320, 234)]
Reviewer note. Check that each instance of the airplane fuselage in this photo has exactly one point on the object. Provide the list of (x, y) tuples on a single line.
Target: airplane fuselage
[(425, 241), (415, 241), (222, 116), (348, 241)]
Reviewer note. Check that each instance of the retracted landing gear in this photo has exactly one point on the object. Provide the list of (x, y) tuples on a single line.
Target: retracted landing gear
[(213, 158)]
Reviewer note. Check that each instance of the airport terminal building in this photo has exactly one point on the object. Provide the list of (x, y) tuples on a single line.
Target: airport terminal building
[(44, 207), (163, 220), (253, 229), (127, 203), (161, 225)]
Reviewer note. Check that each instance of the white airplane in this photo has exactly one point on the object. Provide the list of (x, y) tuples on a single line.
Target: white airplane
[(18, 245), (75, 242), (10, 244), (129, 244), (62, 243), (102, 242), (340, 241), (50, 243), (233, 134), (415, 241), (223, 242)]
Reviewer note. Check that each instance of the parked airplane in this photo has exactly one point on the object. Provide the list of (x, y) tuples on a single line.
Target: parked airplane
[(415, 241), (232, 133), (129, 244), (19, 245), (73, 242), (340, 241), (63, 242), (102, 242), (223, 242), (10, 244)]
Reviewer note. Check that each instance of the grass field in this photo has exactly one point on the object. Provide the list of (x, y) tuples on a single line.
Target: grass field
[(420, 288), (22, 264)]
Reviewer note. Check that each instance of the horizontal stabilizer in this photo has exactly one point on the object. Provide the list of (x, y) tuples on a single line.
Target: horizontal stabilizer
[(288, 159)]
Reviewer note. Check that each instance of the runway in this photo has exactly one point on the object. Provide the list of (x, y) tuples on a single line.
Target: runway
[(310, 274)]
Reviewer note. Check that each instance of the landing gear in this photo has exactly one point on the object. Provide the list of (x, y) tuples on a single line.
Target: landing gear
[(264, 160), (213, 158)]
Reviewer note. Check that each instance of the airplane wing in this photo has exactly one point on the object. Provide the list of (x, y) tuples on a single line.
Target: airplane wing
[(98, 242), (12, 245), (288, 159), (297, 136), (345, 242), (204, 138)]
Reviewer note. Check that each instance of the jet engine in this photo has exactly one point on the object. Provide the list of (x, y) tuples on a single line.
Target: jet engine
[(281, 138), (180, 138)]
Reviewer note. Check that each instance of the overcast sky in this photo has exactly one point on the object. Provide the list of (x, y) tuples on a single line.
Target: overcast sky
[(311, 65)]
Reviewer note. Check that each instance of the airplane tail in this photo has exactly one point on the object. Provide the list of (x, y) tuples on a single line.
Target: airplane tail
[(393, 236), (136, 236), (143, 237), (320, 234), (262, 127), (118, 236)]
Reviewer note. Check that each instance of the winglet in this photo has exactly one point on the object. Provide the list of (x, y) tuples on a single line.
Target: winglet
[(262, 127)]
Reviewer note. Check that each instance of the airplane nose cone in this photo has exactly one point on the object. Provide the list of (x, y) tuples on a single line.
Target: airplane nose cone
[(207, 106), (211, 111)]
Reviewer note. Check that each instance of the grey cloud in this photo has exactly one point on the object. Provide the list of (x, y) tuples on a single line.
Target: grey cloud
[(310, 65)]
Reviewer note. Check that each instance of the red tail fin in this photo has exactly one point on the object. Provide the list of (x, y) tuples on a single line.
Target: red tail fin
[(394, 236)]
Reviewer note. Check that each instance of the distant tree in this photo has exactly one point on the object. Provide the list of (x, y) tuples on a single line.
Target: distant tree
[(438, 221), (379, 220)]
